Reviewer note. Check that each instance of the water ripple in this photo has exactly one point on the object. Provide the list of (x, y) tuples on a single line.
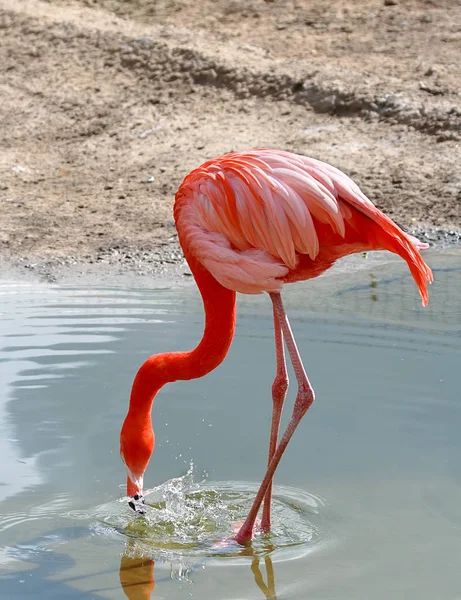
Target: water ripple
[(196, 520)]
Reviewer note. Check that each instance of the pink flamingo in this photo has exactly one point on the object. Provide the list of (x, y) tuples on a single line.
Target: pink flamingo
[(250, 222)]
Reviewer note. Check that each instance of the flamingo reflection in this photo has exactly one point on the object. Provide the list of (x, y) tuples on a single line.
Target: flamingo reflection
[(137, 577), (267, 589)]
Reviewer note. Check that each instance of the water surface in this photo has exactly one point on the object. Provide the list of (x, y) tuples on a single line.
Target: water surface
[(367, 497)]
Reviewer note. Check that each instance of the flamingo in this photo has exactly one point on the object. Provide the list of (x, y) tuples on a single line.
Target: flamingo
[(251, 222)]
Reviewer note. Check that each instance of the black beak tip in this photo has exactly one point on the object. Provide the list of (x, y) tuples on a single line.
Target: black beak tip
[(133, 503)]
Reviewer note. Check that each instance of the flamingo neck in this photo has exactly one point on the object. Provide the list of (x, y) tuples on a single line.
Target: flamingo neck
[(220, 312)]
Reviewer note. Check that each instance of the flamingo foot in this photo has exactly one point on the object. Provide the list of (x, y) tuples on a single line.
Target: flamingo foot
[(244, 534), (236, 526)]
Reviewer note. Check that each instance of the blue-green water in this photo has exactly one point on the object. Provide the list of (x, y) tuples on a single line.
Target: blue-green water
[(367, 497)]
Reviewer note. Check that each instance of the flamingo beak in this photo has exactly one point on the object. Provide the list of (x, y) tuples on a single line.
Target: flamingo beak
[(134, 491), (136, 504)]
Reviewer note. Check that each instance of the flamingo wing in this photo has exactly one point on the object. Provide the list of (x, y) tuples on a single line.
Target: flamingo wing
[(247, 217)]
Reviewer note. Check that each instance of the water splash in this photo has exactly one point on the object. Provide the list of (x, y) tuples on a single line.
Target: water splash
[(188, 519)]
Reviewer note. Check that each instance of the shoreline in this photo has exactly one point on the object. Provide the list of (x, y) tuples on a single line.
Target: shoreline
[(130, 263)]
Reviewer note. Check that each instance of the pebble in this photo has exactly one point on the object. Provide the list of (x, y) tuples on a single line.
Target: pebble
[(166, 258)]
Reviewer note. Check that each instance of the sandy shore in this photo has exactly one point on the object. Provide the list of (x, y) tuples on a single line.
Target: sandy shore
[(106, 105)]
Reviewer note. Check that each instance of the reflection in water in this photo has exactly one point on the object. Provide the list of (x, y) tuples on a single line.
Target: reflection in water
[(138, 583), (267, 589), (43, 565), (137, 577)]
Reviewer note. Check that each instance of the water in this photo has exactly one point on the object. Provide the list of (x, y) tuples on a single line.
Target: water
[(367, 498)]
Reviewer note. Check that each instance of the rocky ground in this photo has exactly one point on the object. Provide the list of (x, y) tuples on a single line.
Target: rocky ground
[(105, 105)]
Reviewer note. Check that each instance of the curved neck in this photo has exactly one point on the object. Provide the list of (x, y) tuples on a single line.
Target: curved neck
[(219, 304)]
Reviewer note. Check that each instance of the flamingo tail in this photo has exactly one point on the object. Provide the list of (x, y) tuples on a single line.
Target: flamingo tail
[(392, 238)]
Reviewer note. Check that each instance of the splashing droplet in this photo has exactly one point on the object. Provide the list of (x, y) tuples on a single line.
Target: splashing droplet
[(187, 519)]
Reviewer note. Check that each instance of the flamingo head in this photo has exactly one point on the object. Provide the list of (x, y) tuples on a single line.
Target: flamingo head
[(136, 447)]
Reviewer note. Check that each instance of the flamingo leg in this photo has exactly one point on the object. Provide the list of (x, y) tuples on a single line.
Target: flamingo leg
[(279, 392), (304, 399)]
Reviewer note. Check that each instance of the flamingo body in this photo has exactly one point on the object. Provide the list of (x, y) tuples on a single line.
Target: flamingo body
[(259, 219), (250, 222)]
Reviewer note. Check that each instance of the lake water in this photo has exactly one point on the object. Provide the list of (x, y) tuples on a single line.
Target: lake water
[(367, 497)]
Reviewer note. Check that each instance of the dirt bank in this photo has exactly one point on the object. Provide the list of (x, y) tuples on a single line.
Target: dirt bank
[(106, 105)]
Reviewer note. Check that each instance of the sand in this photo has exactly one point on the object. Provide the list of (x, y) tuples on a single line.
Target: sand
[(107, 104)]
